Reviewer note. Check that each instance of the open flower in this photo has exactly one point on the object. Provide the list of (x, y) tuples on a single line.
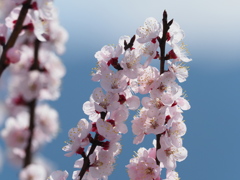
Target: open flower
[(150, 30)]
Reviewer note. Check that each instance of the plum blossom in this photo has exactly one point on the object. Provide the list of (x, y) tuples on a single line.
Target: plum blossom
[(33, 172), (169, 154), (45, 9), (56, 36), (127, 98), (149, 31), (138, 126), (107, 130), (107, 53), (180, 71), (13, 55), (114, 82), (16, 127), (143, 166), (103, 103), (150, 50), (178, 53), (58, 175), (156, 105), (176, 34), (172, 175), (13, 16), (47, 125), (119, 117), (130, 64), (101, 163), (78, 137), (147, 79)]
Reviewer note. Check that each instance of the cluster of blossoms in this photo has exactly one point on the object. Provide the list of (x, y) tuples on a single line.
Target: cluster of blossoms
[(121, 73), (30, 38)]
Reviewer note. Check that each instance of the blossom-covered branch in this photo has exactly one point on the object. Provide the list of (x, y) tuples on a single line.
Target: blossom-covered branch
[(122, 74), (26, 5), (36, 73)]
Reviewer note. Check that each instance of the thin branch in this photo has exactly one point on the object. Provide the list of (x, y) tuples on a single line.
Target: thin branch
[(28, 149), (32, 107), (86, 162), (162, 45)]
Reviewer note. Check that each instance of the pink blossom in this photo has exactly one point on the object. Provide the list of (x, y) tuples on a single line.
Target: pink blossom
[(180, 53), (89, 109), (16, 156), (150, 50), (172, 175), (155, 125), (107, 53), (155, 105), (120, 116), (138, 126), (149, 31), (101, 163), (126, 98), (32, 84), (147, 79), (45, 8), (13, 55), (107, 130), (47, 123), (78, 137), (33, 172), (25, 62), (56, 36), (131, 64), (13, 16), (58, 175), (143, 166), (114, 82), (40, 26), (16, 127), (103, 103), (180, 72), (169, 154), (176, 33)]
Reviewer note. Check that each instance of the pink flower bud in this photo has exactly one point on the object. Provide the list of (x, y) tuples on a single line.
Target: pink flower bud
[(13, 55)]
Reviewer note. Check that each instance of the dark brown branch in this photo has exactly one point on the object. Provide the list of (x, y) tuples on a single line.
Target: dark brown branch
[(32, 106), (162, 45), (130, 44), (95, 143), (35, 65), (13, 37), (28, 149), (86, 161)]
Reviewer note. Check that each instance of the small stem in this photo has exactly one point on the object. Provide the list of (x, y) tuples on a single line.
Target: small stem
[(13, 37)]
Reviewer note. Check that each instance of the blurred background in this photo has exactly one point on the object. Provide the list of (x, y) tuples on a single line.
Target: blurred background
[(212, 30)]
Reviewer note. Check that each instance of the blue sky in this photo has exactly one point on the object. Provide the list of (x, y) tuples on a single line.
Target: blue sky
[(212, 37)]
